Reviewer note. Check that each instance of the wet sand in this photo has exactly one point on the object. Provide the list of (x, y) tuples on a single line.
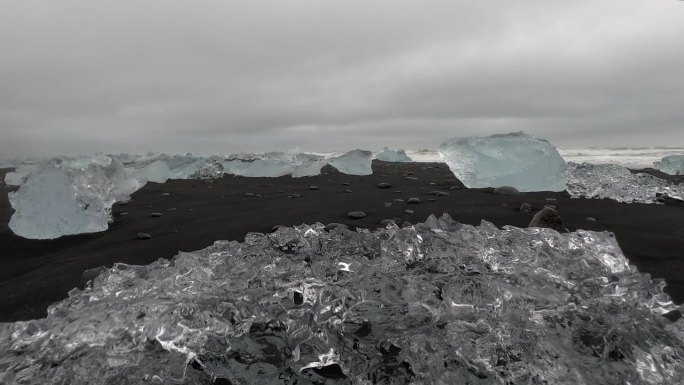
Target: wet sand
[(34, 274)]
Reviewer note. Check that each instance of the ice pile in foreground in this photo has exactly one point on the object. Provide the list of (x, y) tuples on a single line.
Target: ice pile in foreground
[(437, 303), (388, 155), (516, 159), (673, 164), (618, 183)]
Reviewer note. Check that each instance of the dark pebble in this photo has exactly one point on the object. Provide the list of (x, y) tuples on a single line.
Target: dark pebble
[(356, 214), (591, 219), (249, 194), (313, 187), (384, 185), (413, 201), (673, 315), (143, 236), (506, 190), (386, 222), (409, 212), (156, 215), (348, 191)]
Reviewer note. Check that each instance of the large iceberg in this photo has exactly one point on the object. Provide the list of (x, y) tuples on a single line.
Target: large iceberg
[(388, 155), (436, 303), (618, 183), (673, 164), (355, 162), (516, 159)]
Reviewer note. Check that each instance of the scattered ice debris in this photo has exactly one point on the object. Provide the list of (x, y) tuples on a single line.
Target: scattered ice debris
[(355, 162), (516, 159), (433, 303), (672, 164), (388, 155), (618, 183)]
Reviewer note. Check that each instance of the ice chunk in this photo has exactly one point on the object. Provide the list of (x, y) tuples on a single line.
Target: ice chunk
[(516, 159), (388, 155), (355, 162), (618, 183), (211, 169), (435, 303), (673, 164), (54, 201), (156, 171)]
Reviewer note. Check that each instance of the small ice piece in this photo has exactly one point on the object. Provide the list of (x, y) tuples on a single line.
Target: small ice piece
[(672, 164), (516, 159), (618, 183), (388, 155), (355, 162)]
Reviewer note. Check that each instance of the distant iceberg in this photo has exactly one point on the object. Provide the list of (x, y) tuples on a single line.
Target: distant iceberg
[(388, 155), (516, 159)]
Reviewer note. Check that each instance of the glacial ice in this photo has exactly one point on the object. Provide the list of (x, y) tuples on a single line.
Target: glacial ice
[(388, 155), (618, 183), (355, 162), (673, 164), (516, 159), (435, 303), (55, 201), (92, 184), (275, 164)]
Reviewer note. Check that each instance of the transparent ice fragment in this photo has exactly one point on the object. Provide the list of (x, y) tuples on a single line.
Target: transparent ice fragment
[(516, 159), (435, 303)]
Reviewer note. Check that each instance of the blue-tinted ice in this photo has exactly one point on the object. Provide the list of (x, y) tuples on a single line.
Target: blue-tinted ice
[(671, 164), (437, 303), (516, 159)]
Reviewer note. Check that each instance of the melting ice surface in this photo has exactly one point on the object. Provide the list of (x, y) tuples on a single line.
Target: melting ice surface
[(516, 159), (617, 183), (437, 303), (672, 164)]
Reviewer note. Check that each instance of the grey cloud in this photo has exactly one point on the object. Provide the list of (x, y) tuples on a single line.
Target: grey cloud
[(80, 76)]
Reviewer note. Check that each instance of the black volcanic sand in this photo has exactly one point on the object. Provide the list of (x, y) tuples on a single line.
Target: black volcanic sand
[(34, 273)]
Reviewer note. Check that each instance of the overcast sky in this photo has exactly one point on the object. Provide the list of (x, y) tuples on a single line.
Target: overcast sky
[(81, 76)]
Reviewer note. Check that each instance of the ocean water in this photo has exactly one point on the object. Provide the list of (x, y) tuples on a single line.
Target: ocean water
[(632, 157)]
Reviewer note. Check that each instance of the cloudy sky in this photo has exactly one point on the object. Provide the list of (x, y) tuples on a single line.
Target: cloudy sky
[(81, 76)]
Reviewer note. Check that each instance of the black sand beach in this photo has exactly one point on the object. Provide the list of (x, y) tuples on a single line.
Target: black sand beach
[(195, 213)]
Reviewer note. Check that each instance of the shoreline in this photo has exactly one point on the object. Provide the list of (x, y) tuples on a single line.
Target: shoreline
[(36, 273)]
